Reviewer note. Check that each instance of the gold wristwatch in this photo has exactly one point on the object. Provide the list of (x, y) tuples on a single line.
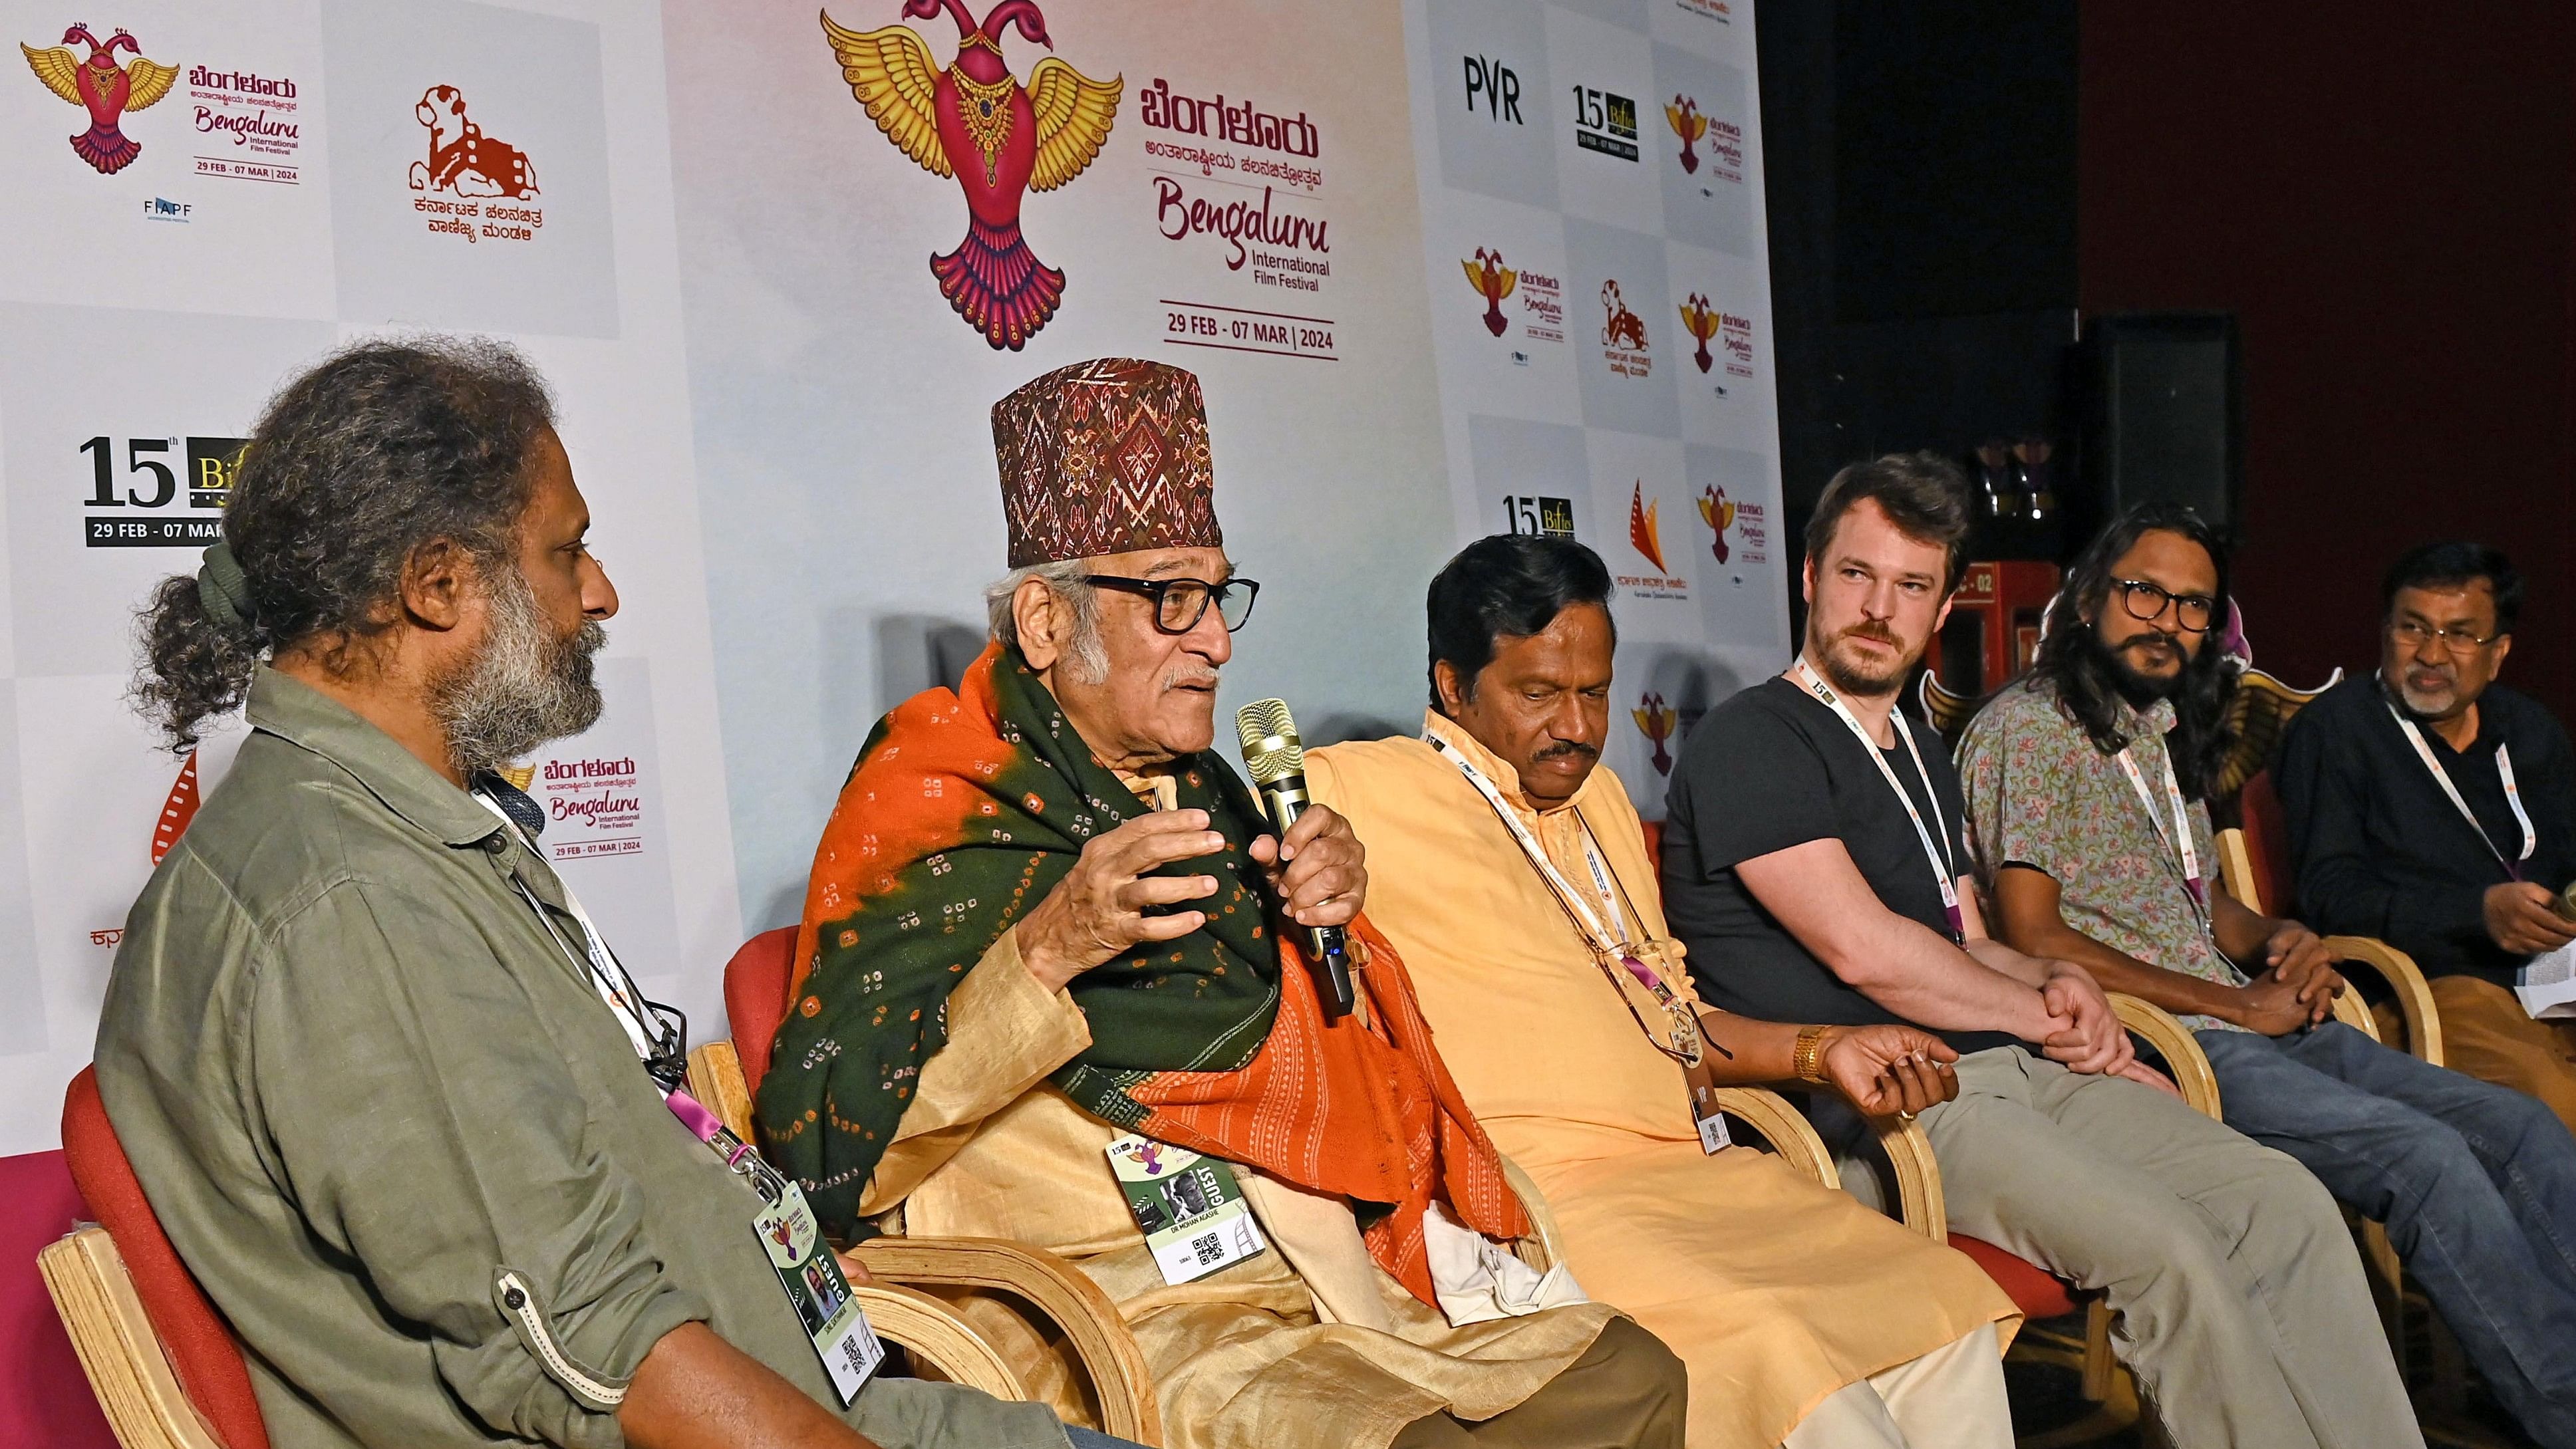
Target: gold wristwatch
[(1808, 1060)]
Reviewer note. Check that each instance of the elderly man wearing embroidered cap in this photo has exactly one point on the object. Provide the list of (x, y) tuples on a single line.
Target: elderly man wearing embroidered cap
[(1043, 961), (377, 1074)]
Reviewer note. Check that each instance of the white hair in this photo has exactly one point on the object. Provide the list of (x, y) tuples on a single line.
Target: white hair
[(1066, 579)]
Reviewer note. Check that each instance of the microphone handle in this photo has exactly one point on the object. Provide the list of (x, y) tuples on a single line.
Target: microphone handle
[(1286, 798)]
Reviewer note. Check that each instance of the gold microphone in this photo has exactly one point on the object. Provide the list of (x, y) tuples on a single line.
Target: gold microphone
[(1276, 760)]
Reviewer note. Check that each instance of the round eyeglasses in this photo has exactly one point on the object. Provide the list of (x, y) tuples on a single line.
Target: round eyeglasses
[(2146, 601), (2413, 634), (1179, 604)]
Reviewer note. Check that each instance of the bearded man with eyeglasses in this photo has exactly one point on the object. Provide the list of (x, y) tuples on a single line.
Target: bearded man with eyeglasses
[(2434, 808), (1048, 931), (2087, 785)]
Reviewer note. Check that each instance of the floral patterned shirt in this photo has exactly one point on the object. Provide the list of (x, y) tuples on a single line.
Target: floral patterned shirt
[(2040, 795)]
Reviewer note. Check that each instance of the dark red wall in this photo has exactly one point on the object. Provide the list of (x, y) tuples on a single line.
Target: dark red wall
[(2385, 195)]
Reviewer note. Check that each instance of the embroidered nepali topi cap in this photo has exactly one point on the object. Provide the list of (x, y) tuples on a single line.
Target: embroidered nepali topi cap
[(1103, 457)]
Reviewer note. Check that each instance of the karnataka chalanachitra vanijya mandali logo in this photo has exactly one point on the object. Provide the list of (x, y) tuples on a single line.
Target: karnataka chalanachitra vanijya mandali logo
[(1000, 139)]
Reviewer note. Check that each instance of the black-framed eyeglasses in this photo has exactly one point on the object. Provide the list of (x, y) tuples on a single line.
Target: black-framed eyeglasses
[(1179, 604), (2413, 634), (2143, 600)]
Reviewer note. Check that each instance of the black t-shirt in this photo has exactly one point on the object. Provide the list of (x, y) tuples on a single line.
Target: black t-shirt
[(1772, 768)]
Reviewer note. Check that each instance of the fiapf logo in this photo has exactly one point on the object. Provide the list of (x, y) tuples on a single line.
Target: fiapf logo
[(1642, 531), (1493, 281), (1684, 117), (1000, 139), (108, 91), (1657, 720)]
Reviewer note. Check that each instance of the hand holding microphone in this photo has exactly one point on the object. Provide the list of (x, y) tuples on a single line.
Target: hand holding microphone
[(1317, 864)]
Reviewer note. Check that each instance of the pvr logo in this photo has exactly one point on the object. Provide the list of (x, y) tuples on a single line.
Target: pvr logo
[(1490, 78), (144, 491)]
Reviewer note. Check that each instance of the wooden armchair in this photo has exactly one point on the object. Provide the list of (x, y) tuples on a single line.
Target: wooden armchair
[(918, 1277)]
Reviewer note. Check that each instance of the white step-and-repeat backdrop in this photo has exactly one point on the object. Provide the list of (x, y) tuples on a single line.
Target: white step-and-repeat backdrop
[(1445, 267)]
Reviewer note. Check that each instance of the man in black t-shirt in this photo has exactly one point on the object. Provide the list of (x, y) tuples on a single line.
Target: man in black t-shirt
[(2469, 888), (1815, 866)]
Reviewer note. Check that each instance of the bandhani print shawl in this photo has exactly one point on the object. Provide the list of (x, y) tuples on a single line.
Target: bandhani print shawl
[(963, 811)]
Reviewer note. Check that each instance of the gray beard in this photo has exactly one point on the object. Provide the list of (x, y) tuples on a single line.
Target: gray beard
[(523, 688)]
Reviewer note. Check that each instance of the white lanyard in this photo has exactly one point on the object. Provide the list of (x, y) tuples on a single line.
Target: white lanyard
[(1607, 944), (1943, 870), (608, 975), (2504, 772), (2180, 841)]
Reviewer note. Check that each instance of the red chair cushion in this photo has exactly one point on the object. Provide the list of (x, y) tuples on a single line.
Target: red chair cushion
[(201, 1347), (755, 992), (2034, 1290), (2267, 843)]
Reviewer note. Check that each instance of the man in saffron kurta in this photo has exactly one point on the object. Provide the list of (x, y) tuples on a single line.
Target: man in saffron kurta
[(1044, 913), (1803, 1315)]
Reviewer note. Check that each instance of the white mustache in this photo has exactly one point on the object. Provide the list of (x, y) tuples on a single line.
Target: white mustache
[(1185, 675)]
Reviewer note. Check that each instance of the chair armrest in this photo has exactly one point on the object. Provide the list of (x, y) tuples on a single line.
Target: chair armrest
[(936, 1332), (2173, 1041), (2353, 1012), (1787, 1129), (1918, 1178), (127, 1370), (1090, 1322), (2406, 979), (716, 1080)]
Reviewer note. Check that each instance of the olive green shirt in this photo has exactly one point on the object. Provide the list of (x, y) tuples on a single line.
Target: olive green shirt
[(361, 1086)]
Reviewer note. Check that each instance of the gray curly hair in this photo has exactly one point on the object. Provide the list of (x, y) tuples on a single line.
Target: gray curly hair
[(383, 448)]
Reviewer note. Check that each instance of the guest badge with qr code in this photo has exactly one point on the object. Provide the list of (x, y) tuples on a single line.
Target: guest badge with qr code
[(1191, 1208), (812, 1276)]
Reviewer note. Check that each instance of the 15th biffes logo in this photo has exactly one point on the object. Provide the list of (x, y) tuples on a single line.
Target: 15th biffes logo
[(975, 122), (105, 89), (1493, 281)]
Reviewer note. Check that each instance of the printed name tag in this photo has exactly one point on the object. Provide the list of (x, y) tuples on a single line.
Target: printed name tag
[(1712, 1124), (1190, 1207), (812, 1277)]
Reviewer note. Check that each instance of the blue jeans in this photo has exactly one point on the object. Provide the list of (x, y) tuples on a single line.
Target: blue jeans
[(1093, 1439), (2477, 1184)]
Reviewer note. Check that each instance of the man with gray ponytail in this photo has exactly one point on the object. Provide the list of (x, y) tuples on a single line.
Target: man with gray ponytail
[(391, 1094)]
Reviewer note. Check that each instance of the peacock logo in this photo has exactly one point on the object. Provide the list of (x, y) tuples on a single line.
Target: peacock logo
[(1493, 281), (1718, 512), (106, 90), (997, 137)]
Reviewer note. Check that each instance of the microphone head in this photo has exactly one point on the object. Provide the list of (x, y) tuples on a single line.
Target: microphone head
[(1271, 750)]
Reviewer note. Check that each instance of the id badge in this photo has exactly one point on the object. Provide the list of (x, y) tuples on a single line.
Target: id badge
[(1712, 1123), (814, 1283), (1190, 1208)]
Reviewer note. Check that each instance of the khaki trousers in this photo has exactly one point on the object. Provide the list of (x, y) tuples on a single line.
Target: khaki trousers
[(2242, 1307), (1628, 1391), (1950, 1398), (2487, 1034)]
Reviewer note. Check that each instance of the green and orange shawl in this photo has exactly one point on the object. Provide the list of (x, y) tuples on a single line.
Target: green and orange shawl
[(963, 811)]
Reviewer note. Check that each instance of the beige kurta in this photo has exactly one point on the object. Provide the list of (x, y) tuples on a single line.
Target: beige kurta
[(1774, 1289), (1275, 1351)]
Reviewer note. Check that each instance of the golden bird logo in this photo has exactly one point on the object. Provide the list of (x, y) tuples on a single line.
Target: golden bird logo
[(1000, 139), (1642, 531), (1657, 721), (1700, 320), (1684, 117), (1718, 511), (103, 88), (1493, 281)]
